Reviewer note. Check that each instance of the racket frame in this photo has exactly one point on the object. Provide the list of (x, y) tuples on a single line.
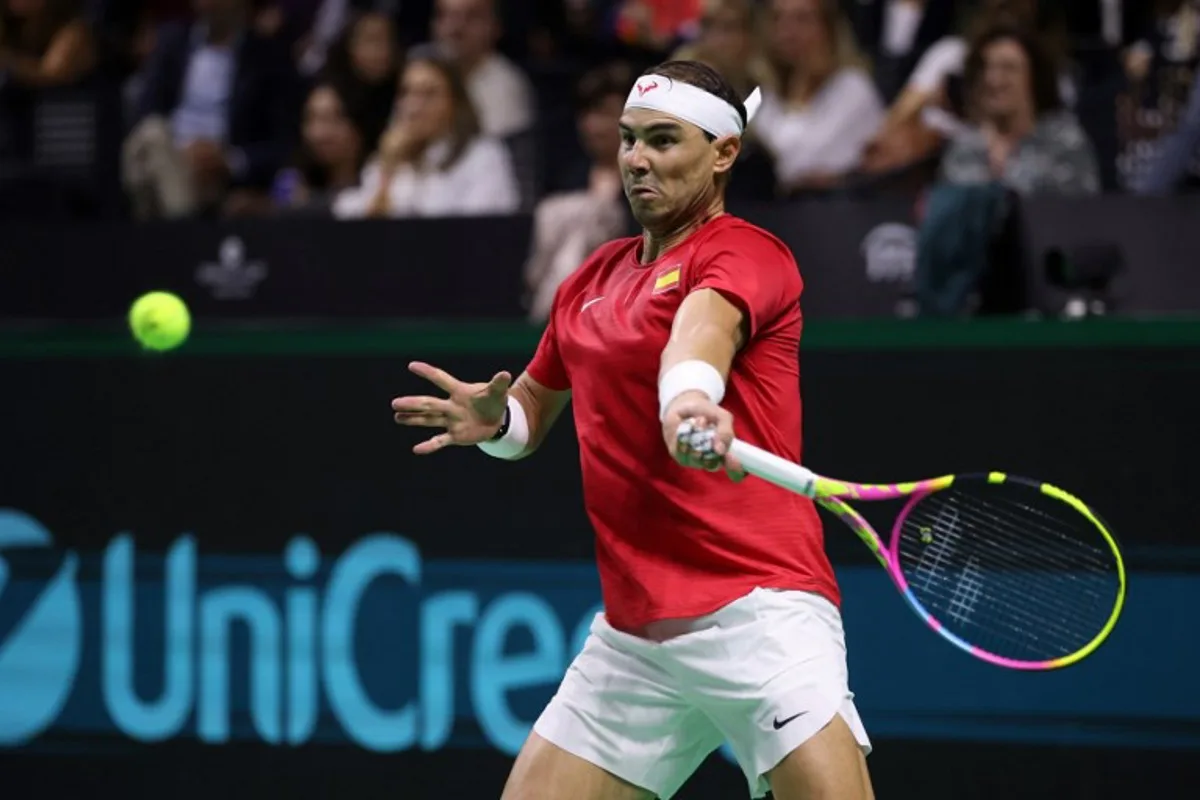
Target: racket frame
[(832, 495)]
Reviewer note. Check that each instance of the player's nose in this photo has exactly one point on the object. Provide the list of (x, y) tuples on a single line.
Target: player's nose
[(635, 159)]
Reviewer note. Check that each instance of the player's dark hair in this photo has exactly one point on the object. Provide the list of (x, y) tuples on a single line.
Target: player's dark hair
[(703, 77)]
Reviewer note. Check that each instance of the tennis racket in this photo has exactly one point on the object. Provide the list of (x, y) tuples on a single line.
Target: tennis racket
[(1015, 572)]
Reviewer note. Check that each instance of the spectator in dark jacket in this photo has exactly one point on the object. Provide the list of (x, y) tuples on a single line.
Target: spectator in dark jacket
[(217, 116)]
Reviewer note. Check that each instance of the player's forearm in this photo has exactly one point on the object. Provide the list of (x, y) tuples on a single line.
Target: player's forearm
[(707, 342), (541, 406), (707, 328), (705, 336)]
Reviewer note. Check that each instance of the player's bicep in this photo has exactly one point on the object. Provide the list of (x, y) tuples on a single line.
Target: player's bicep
[(542, 405)]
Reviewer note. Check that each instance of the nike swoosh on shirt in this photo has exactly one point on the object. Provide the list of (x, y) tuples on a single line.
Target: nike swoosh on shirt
[(583, 307)]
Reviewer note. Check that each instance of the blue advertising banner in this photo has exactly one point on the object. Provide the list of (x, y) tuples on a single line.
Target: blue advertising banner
[(380, 648)]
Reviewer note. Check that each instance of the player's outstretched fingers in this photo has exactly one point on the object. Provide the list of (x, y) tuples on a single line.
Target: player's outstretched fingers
[(434, 444), (422, 405), (438, 377), (499, 384)]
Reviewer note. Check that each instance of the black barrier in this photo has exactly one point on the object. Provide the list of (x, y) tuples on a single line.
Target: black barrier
[(857, 259), (269, 269), (226, 573), (1153, 242)]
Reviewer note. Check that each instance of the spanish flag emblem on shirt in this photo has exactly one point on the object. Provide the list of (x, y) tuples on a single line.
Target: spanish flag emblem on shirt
[(666, 280)]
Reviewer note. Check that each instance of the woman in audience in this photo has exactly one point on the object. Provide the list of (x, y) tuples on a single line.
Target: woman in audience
[(365, 61), (1024, 139), (433, 161), (823, 108), (929, 108), (332, 152)]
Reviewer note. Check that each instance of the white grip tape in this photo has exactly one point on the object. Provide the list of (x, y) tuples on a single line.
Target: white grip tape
[(515, 440), (693, 375), (774, 469)]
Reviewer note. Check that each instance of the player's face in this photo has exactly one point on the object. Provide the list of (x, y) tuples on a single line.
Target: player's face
[(667, 168)]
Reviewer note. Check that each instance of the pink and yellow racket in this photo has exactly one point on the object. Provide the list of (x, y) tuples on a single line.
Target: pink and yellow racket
[(1015, 572)]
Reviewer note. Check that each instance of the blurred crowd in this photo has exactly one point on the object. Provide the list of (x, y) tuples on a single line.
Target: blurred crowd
[(419, 108)]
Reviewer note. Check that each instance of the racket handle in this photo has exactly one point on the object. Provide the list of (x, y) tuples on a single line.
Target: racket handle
[(772, 468)]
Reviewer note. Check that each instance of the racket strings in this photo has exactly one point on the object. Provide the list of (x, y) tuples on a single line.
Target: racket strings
[(1009, 569), (961, 592), (1063, 533), (992, 555), (956, 601), (1050, 558), (1003, 517)]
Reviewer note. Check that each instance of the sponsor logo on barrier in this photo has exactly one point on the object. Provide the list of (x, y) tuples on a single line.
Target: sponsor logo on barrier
[(231, 276), (890, 251), (373, 646), (40, 634)]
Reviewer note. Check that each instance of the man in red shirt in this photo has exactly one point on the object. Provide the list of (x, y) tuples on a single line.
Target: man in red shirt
[(720, 617)]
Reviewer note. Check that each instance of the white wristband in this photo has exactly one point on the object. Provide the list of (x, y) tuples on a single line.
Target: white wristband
[(512, 444), (693, 375)]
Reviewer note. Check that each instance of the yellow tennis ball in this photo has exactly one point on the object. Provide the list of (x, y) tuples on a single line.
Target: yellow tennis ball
[(160, 321)]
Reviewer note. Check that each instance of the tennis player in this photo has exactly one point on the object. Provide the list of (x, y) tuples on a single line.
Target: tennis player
[(720, 617)]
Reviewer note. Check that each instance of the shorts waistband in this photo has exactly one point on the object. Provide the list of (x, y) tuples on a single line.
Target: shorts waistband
[(739, 611)]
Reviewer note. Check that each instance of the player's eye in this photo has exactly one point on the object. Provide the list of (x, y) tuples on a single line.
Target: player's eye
[(662, 142), (627, 139)]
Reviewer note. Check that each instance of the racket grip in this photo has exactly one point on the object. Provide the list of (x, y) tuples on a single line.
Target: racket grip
[(773, 469)]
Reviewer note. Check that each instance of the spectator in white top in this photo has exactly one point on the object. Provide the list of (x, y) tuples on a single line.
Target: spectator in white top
[(433, 162), (824, 108), (468, 31)]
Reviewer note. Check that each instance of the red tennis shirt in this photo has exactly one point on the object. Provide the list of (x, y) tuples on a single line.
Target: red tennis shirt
[(673, 541)]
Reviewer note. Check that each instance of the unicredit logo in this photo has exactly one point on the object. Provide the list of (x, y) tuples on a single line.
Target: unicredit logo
[(40, 630), (370, 645)]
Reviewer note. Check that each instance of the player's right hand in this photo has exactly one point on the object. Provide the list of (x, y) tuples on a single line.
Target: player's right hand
[(472, 412)]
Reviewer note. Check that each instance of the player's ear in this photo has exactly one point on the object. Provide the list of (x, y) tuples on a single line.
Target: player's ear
[(727, 149)]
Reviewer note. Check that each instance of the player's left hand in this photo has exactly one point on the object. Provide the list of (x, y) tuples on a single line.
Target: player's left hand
[(704, 438)]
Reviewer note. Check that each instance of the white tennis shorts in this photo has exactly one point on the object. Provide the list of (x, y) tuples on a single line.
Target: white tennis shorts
[(765, 673)]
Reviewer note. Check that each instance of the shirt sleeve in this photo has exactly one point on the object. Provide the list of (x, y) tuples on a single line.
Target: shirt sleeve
[(753, 271), (547, 367), (945, 57)]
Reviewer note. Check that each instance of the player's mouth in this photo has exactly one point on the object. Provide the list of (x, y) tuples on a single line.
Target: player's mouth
[(642, 191)]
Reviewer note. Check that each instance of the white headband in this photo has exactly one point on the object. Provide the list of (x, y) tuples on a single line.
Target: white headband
[(691, 104)]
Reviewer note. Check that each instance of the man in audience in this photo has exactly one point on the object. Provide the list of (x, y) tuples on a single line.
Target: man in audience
[(217, 116), (468, 31)]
